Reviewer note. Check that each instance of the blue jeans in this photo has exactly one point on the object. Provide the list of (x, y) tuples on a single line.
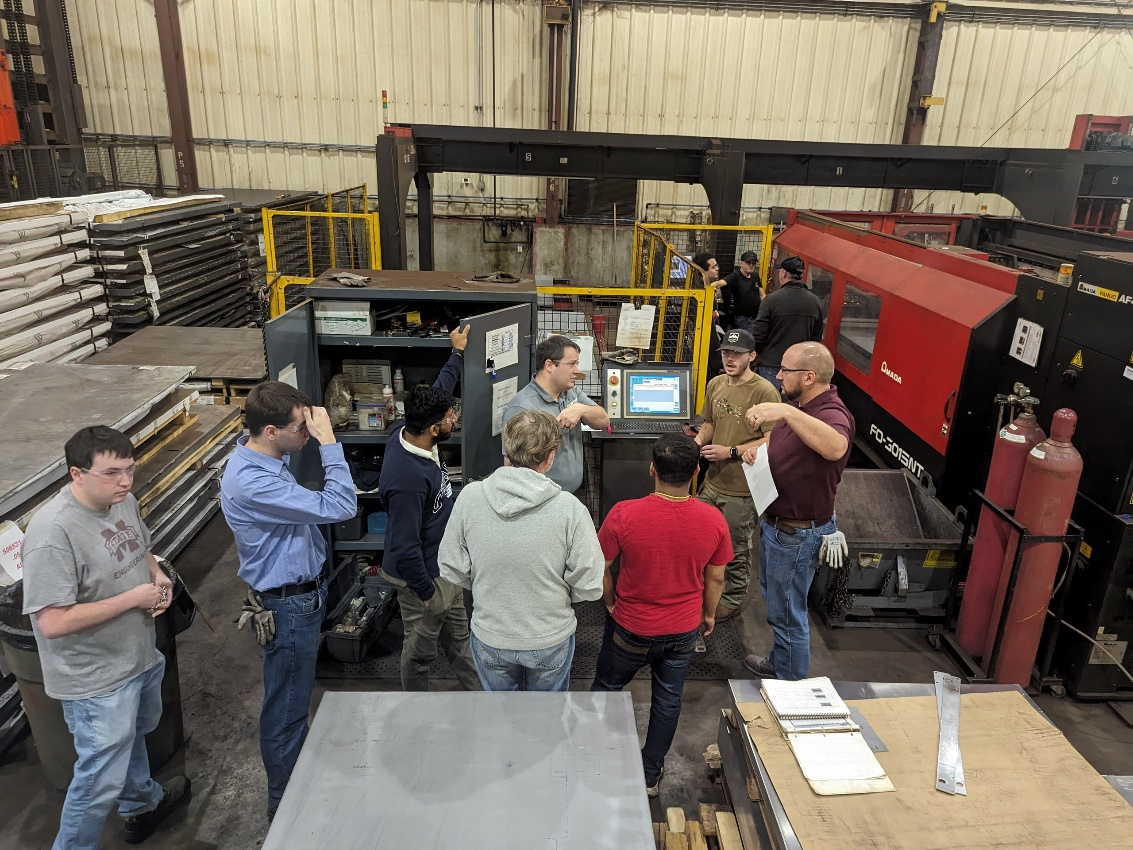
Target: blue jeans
[(770, 373), (523, 669), (787, 564), (289, 679), (110, 741), (746, 323), (623, 653)]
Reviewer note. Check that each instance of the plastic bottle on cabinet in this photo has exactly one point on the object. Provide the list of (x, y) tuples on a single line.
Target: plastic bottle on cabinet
[(398, 381), (391, 409)]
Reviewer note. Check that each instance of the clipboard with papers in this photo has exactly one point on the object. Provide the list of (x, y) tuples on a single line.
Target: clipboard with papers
[(831, 752)]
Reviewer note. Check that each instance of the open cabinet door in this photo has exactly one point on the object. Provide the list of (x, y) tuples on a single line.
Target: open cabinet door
[(481, 389), (289, 342)]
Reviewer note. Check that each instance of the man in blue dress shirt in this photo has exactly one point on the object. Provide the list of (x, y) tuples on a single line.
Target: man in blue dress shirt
[(275, 522)]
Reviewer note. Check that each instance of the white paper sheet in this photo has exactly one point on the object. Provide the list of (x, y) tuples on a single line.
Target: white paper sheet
[(288, 376), (502, 393), (585, 351), (10, 541), (837, 756), (635, 326), (502, 347), (760, 481)]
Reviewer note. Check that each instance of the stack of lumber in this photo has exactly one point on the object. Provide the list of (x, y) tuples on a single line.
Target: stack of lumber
[(175, 261), (226, 362), (51, 308)]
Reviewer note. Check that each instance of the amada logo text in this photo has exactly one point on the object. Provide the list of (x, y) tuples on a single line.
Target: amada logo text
[(903, 457), (885, 370)]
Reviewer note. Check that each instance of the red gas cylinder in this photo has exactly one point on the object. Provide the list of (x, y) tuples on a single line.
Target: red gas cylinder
[(1046, 498), (1008, 457)]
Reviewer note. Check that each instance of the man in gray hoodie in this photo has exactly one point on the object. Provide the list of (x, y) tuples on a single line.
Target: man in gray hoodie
[(527, 550)]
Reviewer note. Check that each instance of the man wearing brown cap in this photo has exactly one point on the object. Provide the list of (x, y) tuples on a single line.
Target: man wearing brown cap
[(742, 293), (789, 315), (724, 437)]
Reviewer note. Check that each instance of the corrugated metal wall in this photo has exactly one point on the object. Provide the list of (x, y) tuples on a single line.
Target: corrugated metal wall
[(989, 75), (312, 71)]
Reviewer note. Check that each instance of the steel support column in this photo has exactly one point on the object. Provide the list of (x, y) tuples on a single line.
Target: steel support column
[(68, 112), (397, 164), (176, 94), (722, 175), (920, 91), (424, 186)]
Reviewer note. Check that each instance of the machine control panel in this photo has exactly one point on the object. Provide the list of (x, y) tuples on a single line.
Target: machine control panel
[(613, 393)]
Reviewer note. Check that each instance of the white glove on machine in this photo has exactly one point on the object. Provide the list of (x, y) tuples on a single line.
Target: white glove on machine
[(834, 550)]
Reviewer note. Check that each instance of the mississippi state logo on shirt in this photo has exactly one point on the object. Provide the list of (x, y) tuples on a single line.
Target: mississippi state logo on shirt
[(122, 541)]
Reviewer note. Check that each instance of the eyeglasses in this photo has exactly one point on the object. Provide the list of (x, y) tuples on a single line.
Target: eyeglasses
[(112, 474), (449, 420), (295, 429), (785, 369), (570, 364)]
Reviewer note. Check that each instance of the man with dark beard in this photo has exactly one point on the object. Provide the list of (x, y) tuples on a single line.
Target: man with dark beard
[(415, 490)]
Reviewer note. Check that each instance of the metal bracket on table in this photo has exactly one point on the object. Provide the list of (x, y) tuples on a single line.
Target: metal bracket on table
[(949, 765)]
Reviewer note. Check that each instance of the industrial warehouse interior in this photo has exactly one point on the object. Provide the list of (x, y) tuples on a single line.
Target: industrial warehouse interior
[(673, 424)]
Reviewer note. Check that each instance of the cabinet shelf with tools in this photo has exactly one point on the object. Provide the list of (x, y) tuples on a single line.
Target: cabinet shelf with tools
[(400, 320)]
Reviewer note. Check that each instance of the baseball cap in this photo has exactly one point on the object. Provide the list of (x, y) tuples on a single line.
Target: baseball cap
[(738, 340), (793, 265), (749, 257)]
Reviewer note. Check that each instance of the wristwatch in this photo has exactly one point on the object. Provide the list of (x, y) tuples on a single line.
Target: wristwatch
[(735, 453)]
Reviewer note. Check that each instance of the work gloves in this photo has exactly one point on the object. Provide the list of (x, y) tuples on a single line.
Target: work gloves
[(834, 550), (263, 621)]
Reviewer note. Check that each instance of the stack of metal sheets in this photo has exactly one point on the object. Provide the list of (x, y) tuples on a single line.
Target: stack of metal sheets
[(51, 308), (182, 266)]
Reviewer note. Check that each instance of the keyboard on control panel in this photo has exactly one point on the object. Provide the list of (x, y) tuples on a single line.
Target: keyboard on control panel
[(646, 426)]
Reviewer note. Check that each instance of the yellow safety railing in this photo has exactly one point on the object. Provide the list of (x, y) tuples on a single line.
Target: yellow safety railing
[(681, 334), (302, 244), (724, 241)]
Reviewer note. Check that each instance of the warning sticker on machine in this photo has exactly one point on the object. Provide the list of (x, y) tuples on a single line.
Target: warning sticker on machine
[(1099, 291), (1108, 650), (1128, 373), (939, 559)]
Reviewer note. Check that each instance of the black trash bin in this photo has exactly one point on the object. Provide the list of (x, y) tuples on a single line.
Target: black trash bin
[(49, 730)]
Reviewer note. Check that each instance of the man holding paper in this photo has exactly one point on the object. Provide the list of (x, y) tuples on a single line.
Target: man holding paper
[(724, 437), (807, 453)]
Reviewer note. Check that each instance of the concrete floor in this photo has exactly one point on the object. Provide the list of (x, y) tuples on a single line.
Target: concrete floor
[(221, 692)]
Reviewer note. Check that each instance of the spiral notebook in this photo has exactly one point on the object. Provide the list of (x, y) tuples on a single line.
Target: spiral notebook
[(829, 747)]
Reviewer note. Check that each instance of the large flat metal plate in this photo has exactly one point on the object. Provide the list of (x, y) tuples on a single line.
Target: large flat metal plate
[(529, 771), (231, 353), (43, 405)]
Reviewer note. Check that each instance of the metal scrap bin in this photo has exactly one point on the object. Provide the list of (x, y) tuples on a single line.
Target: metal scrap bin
[(903, 545)]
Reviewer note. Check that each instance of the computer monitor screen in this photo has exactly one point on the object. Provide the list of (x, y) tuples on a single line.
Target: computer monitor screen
[(656, 394)]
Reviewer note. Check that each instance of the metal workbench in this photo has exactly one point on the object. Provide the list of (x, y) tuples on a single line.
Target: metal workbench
[(765, 825), (529, 771)]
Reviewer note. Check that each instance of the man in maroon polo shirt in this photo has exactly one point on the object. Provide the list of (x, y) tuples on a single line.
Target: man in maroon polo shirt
[(807, 451)]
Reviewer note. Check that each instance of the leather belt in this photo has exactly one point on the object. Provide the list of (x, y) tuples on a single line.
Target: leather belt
[(790, 526), (293, 589)]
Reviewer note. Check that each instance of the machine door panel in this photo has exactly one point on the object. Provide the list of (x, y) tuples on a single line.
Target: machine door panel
[(289, 340), (483, 452)]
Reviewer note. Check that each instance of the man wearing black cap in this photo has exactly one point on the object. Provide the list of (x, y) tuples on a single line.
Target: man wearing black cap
[(789, 315), (724, 437), (742, 293)]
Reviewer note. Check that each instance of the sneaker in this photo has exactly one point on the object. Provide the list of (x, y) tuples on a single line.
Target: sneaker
[(758, 665), (140, 827), (651, 788)]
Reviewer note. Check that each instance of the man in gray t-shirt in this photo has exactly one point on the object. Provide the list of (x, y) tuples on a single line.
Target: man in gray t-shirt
[(93, 589), (552, 390)]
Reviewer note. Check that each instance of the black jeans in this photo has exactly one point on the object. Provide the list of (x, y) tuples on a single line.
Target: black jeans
[(623, 653)]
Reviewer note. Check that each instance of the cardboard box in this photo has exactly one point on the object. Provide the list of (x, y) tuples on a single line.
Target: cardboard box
[(343, 318)]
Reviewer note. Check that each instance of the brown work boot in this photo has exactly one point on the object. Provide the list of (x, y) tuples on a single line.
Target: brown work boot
[(725, 612)]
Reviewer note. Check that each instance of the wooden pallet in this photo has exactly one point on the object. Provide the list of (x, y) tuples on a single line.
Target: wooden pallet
[(184, 453), (679, 833), (170, 432)]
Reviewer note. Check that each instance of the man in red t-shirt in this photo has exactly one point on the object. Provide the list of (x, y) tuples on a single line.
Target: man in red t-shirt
[(673, 552)]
